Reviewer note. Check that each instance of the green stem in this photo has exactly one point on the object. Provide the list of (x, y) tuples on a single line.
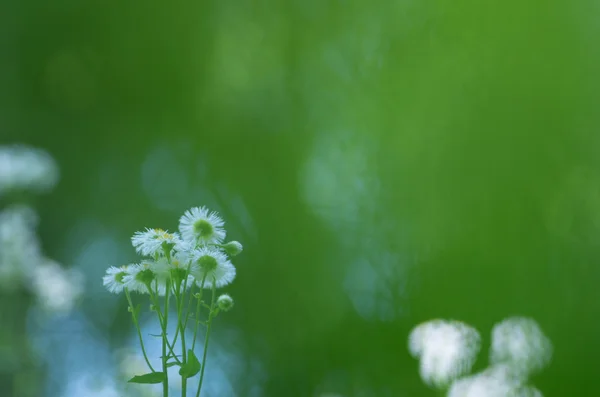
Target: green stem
[(210, 317), (180, 297), (165, 342), (198, 306), (137, 327)]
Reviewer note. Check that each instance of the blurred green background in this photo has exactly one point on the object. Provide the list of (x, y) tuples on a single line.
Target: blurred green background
[(383, 163)]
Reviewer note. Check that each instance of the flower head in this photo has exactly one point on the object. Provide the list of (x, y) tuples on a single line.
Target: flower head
[(209, 266), (520, 343), (225, 302), (174, 270), (446, 349), (113, 280), (140, 277), (199, 226), (153, 242)]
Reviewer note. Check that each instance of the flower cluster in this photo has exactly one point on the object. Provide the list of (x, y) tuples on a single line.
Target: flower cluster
[(172, 266), (197, 254), (447, 351)]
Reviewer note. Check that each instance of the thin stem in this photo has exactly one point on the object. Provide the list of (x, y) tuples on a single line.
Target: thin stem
[(137, 327), (156, 303), (210, 318), (198, 306), (179, 298), (165, 342)]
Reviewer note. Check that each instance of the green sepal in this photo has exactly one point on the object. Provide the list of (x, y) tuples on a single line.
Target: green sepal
[(151, 378), (191, 367)]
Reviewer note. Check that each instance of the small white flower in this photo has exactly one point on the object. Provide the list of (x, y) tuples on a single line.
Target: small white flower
[(26, 168), (139, 276), (213, 266), (446, 349), (113, 280), (56, 288), (225, 302), (150, 241), (520, 343), (199, 226), (175, 270)]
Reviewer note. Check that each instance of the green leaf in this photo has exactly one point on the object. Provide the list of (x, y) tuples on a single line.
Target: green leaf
[(152, 377), (172, 364), (191, 367)]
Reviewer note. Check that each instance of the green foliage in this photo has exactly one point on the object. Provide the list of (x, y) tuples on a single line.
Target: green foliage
[(149, 378)]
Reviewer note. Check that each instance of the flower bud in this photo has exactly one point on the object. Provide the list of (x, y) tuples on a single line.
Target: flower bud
[(233, 248), (224, 302)]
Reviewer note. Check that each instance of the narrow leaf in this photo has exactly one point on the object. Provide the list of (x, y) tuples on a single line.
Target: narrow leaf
[(152, 377), (191, 367), (172, 364)]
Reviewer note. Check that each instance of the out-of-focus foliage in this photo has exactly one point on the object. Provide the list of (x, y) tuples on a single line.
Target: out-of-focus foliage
[(384, 162)]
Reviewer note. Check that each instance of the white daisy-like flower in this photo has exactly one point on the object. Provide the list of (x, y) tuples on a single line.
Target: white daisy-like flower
[(151, 242), (139, 276), (113, 280), (26, 168), (446, 349), (212, 264), (496, 381), (520, 343), (200, 226), (56, 288), (175, 270)]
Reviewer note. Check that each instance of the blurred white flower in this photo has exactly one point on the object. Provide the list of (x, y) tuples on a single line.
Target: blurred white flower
[(520, 343), (496, 381), (56, 288), (26, 168), (446, 349), (199, 225), (19, 245), (150, 242), (213, 265)]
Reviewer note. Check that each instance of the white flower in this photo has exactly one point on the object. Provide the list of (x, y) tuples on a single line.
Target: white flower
[(140, 276), (446, 349), (150, 242), (497, 381), (26, 168), (520, 343), (175, 270), (56, 288), (113, 280), (19, 246), (212, 265), (200, 226)]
